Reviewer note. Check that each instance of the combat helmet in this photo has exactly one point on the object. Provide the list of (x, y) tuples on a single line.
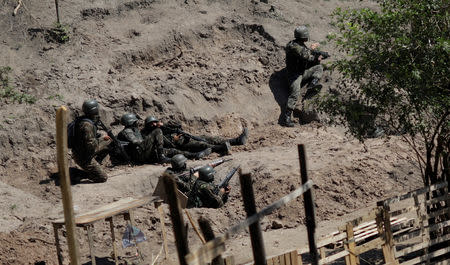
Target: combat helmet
[(206, 173), (128, 119), (301, 33), (178, 162), (90, 107), (150, 119)]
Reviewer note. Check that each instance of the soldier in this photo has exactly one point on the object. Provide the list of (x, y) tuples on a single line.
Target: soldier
[(217, 144), (88, 144), (302, 65), (149, 147), (184, 177), (203, 192)]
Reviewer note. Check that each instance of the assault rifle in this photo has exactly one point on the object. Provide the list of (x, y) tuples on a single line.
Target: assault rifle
[(318, 53), (214, 163), (177, 130), (226, 180), (118, 145)]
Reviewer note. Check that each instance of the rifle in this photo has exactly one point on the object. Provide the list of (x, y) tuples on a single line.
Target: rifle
[(317, 53), (214, 163), (177, 130), (117, 143), (226, 180)]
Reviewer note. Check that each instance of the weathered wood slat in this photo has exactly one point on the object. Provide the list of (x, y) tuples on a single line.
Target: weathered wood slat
[(412, 193), (334, 257), (108, 210), (425, 257), (438, 226), (422, 245), (368, 217), (412, 234), (445, 197), (437, 213), (332, 239), (374, 244), (404, 210)]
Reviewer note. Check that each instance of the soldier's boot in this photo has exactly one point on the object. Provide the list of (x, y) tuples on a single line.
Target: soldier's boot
[(315, 85), (223, 149), (241, 139), (203, 153), (286, 119)]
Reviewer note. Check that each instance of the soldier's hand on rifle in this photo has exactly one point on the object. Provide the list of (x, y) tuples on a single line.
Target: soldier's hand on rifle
[(176, 137), (107, 138)]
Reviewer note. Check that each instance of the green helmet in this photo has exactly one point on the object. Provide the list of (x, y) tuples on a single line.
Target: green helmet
[(178, 161), (206, 173), (150, 119), (301, 33), (128, 119), (90, 107)]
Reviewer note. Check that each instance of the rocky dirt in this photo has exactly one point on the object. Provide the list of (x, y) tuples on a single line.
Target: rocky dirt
[(216, 66)]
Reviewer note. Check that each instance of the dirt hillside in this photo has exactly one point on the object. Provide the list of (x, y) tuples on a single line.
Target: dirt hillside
[(216, 66)]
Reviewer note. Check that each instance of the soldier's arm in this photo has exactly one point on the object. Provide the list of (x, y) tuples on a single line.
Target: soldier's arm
[(215, 201), (89, 138), (129, 135), (303, 53)]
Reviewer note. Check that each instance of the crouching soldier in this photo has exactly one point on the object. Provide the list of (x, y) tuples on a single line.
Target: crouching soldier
[(88, 143), (204, 192), (184, 176)]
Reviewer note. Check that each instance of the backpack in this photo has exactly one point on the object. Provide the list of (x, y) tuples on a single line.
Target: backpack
[(71, 130)]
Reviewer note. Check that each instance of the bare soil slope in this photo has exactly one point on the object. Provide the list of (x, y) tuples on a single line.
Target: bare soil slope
[(215, 66)]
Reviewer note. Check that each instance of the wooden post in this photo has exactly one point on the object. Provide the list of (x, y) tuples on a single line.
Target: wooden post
[(259, 254), (113, 238), (176, 215), (57, 243), (384, 229), (350, 246), (57, 12), (64, 178), (208, 233), (310, 209)]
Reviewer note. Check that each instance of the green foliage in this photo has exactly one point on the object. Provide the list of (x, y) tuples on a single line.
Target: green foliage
[(8, 93), (398, 63)]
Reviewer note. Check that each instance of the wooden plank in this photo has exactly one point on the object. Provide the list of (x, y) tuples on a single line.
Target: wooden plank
[(334, 257), (282, 260), (295, 258), (373, 244), (57, 244), (404, 210), (64, 178), (179, 230), (113, 239), (256, 238), (310, 208), (437, 213), (322, 253), (368, 217), (108, 210), (159, 206), (91, 244), (426, 257), (287, 258), (270, 262), (422, 245), (412, 193), (412, 234), (445, 197), (438, 226), (351, 245), (333, 239)]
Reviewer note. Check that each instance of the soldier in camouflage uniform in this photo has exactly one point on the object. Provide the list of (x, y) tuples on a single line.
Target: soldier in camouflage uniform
[(302, 66), (88, 143), (148, 148), (217, 144), (184, 176), (204, 194), (151, 124)]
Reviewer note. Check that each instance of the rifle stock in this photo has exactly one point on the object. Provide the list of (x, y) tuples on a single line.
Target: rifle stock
[(116, 141)]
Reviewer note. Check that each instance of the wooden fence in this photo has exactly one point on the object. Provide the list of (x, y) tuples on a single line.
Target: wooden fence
[(397, 230)]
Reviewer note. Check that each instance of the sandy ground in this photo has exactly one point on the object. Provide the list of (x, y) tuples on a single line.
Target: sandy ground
[(216, 67)]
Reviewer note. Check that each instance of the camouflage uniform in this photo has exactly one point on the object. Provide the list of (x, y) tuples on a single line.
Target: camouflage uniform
[(217, 144), (184, 183), (143, 149), (301, 65), (202, 195), (87, 146)]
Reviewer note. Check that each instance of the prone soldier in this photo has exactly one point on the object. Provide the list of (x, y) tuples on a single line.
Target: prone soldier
[(149, 147)]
